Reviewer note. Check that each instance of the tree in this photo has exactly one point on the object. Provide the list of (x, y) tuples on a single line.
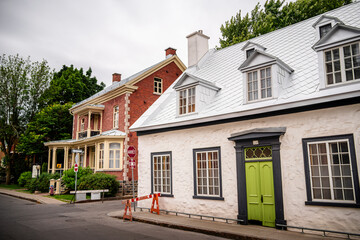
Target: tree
[(53, 122), (22, 83), (274, 16), (71, 85)]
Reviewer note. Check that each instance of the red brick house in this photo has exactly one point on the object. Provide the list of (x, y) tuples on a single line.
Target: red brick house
[(101, 122)]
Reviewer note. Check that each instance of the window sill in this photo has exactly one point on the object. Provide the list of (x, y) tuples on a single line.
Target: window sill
[(155, 93), (109, 170), (165, 195), (208, 198), (186, 114), (337, 85), (333, 204)]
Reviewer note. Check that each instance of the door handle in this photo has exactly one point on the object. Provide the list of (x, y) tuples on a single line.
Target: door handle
[(262, 199)]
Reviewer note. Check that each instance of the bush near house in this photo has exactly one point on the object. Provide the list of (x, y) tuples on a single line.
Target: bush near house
[(69, 176), (25, 179), (100, 181), (42, 183)]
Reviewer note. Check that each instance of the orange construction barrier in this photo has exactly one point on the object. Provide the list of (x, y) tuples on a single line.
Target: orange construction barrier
[(128, 202)]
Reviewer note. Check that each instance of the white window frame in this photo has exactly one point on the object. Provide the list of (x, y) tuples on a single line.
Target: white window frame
[(258, 85), (342, 65), (158, 86), (161, 178), (101, 155), (116, 117), (187, 101), (208, 185), (116, 161)]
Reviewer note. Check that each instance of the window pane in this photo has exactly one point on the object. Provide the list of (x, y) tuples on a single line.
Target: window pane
[(349, 194), (114, 145), (330, 79), (316, 193), (338, 194), (335, 170), (349, 75), (336, 54), (347, 182), (328, 56), (329, 67), (338, 77), (326, 193), (325, 182), (355, 49), (337, 182), (316, 182), (347, 51)]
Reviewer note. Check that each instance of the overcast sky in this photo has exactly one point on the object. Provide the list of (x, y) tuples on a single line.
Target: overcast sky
[(110, 36)]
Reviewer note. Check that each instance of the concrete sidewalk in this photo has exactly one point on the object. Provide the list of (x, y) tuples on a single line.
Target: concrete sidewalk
[(222, 229), (38, 198)]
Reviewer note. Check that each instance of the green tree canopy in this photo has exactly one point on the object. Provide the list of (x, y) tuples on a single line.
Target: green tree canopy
[(53, 122), (273, 16), (22, 84), (71, 85)]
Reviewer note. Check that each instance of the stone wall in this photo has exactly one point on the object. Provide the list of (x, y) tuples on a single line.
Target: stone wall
[(316, 123)]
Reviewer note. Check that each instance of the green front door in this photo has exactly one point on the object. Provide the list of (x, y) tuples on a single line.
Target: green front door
[(260, 186)]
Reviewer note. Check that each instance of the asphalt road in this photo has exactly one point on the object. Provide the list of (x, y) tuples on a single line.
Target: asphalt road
[(22, 219)]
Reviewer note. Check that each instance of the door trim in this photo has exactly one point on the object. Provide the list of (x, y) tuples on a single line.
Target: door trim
[(263, 137)]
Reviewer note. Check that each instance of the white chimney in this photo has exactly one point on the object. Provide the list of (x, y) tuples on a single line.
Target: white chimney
[(198, 45)]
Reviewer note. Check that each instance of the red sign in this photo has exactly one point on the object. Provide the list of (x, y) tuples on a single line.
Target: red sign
[(76, 167), (131, 151)]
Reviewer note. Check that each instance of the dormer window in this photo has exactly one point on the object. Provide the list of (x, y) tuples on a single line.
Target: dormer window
[(259, 84), (187, 101), (342, 64), (249, 52), (323, 30)]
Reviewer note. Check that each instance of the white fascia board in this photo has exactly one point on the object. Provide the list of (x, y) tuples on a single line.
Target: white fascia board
[(265, 109)]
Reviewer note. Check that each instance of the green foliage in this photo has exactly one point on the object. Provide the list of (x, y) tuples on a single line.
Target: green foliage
[(71, 85), (44, 167), (273, 16), (100, 181), (42, 183), (22, 83), (53, 122), (24, 179), (69, 176)]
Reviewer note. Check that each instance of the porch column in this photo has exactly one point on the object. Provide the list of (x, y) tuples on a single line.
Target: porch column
[(49, 158), (66, 157), (89, 124), (85, 155), (77, 127), (101, 117), (96, 156), (54, 160), (72, 159)]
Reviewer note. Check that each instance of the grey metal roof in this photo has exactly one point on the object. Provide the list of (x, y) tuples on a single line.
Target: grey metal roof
[(292, 44)]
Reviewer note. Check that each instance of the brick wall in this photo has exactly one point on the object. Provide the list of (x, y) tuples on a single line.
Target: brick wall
[(144, 97)]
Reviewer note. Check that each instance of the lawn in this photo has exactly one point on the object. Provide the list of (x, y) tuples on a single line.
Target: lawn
[(11, 186), (63, 197)]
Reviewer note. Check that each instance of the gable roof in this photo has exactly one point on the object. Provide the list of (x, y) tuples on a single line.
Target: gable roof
[(128, 84), (195, 80), (292, 44), (246, 65), (349, 33)]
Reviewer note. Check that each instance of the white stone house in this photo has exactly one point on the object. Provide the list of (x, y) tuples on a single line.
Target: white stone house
[(266, 131)]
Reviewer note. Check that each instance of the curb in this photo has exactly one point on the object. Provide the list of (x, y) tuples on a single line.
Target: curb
[(194, 229), (24, 198)]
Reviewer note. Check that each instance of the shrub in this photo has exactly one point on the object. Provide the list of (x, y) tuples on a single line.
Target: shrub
[(100, 181), (69, 176), (44, 167), (24, 179), (42, 183)]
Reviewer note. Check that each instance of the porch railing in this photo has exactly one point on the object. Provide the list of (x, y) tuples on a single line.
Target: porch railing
[(94, 133), (82, 134)]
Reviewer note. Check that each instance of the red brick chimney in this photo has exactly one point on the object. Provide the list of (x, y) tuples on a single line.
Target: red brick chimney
[(170, 51), (116, 77)]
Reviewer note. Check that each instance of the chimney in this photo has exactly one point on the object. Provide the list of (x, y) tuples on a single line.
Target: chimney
[(116, 77), (198, 45), (169, 52)]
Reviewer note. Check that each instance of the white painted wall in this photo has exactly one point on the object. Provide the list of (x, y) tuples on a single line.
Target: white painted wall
[(334, 121)]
